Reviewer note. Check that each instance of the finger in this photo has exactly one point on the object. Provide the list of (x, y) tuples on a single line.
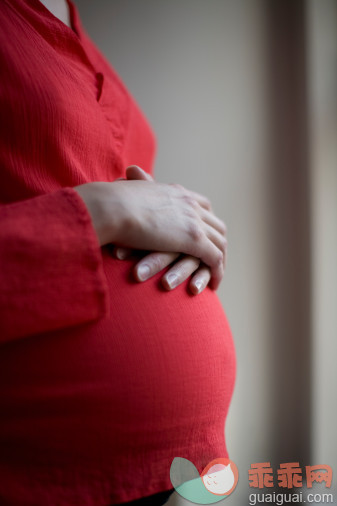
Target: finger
[(122, 253), (200, 279), (153, 263), (225, 255), (135, 172), (212, 256), (217, 275), (218, 239), (201, 199), (212, 220), (180, 271)]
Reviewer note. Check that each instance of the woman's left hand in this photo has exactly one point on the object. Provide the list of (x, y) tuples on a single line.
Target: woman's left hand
[(151, 264)]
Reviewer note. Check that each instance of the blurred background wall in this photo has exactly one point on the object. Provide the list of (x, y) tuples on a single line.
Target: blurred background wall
[(242, 97)]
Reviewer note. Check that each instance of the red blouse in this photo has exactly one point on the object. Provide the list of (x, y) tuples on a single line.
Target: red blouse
[(103, 381)]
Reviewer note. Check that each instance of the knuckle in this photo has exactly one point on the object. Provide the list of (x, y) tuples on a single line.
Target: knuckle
[(195, 231), (189, 213), (208, 203), (218, 259), (156, 262), (222, 227), (190, 264), (178, 187), (224, 243), (190, 200)]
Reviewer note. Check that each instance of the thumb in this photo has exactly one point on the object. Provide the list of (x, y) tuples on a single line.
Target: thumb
[(135, 172)]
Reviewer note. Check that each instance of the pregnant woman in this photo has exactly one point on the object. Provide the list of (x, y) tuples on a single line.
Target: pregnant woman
[(104, 379)]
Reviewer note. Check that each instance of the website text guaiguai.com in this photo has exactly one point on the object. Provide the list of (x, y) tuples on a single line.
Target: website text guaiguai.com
[(283, 498), (290, 480)]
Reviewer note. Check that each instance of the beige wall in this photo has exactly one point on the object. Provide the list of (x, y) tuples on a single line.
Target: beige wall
[(322, 28), (204, 74)]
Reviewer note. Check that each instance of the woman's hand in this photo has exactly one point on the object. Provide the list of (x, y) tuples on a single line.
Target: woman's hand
[(156, 261), (158, 217)]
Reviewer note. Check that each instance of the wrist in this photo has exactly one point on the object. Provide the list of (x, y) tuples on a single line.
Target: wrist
[(95, 200)]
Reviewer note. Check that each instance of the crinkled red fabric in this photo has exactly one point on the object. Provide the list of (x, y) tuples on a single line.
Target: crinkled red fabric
[(103, 381)]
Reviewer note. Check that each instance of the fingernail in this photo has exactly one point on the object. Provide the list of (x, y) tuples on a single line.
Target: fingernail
[(143, 272), (172, 280), (199, 285), (121, 253)]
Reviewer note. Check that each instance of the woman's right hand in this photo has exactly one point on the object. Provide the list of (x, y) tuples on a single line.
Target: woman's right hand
[(147, 215)]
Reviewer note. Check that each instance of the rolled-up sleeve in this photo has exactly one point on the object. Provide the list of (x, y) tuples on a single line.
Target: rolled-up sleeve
[(51, 270)]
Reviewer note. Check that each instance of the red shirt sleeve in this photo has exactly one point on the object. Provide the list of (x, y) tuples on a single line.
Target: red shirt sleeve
[(51, 273)]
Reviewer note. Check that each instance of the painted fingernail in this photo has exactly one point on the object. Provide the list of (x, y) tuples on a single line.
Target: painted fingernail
[(199, 285), (143, 272), (172, 280)]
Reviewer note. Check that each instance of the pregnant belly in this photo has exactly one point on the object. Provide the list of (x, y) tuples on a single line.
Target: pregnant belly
[(151, 382)]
